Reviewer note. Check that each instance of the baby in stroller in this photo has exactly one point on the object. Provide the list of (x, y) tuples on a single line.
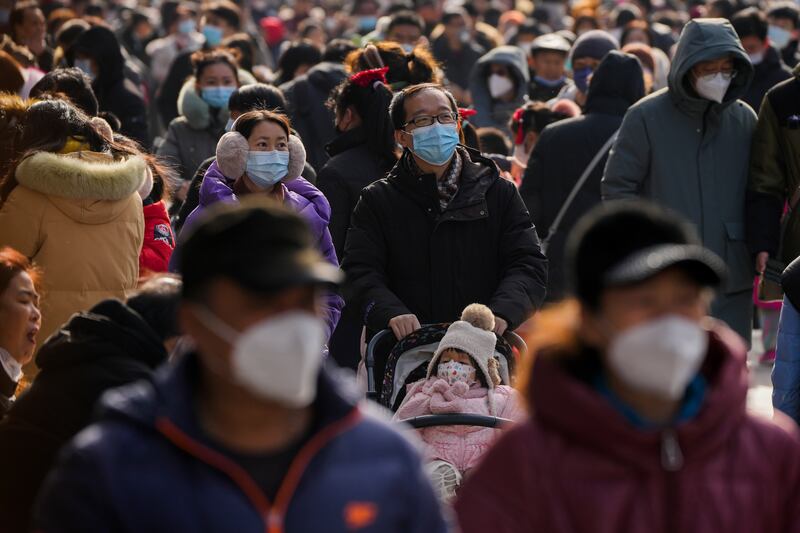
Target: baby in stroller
[(462, 377)]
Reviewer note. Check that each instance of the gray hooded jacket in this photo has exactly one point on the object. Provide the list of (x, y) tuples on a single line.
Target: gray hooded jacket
[(691, 155), (493, 113)]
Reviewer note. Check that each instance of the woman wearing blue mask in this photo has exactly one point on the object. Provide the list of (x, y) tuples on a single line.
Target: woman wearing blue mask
[(262, 156), (203, 114)]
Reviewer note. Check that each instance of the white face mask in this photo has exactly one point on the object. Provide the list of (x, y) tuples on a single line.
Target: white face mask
[(756, 59), (277, 359), (453, 372), (712, 86), (499, 85), (659, 357)]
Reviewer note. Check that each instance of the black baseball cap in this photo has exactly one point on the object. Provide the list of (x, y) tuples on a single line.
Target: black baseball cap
[(628, 242), (258, 244)]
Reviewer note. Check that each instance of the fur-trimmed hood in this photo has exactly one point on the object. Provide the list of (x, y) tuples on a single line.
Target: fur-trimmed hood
[(196, 111), (86, 186)]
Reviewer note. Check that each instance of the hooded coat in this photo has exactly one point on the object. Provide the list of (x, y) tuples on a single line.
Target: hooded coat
[(314, 122), (493, 113), (566, 148), (106, 347), (192, 137), (691, 155), (79, 217), (114, 92), (147, 465), (767, 74), (301, 197), (579, 466)]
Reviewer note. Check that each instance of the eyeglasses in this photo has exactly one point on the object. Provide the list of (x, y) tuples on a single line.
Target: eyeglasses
[(427, 120), (727, 74)]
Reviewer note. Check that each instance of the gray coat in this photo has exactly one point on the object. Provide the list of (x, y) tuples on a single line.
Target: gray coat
[(691, 155)]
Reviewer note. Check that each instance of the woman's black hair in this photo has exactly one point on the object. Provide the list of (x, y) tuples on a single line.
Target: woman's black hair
[(533, 116), (71, 82), (157, 302), (298, 54), (257, 96), (244, 49), (247, 122), (413, 68), (372, 105)]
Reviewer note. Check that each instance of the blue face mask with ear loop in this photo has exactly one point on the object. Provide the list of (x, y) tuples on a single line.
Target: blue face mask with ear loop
[(435, 144), (212, 34), (265, 169), (217, 96), (581, 78)]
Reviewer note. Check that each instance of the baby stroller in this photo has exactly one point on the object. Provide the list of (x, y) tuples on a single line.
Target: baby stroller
[(398, 364)]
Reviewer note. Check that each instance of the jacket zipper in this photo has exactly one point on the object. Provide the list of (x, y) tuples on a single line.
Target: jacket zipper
[(272, 514), (671, 462)]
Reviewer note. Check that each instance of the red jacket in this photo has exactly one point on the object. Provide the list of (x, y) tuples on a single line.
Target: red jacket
[(158, 240), (577, 466)]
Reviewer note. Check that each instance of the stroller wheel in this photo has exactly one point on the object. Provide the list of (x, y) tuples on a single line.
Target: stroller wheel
[(445, 478)]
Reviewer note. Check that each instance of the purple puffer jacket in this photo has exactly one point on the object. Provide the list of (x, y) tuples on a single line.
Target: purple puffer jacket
[(300, 196)]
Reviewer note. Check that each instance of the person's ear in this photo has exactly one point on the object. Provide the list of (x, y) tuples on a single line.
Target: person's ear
[(404, 139)]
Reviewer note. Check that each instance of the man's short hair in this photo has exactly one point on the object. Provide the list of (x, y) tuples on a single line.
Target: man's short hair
[(397, 109), (337, 50), (405, 18), (157, 303), (751, 22), (785, 10), (227, 11), (257, 96)]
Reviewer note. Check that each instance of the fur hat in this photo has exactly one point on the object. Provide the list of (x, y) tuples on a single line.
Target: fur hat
[(474, 335), (232, 150)]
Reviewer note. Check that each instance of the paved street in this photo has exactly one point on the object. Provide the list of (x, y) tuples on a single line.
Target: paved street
[(759, 400)]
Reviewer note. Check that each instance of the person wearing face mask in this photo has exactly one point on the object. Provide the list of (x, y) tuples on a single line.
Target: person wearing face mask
[(548, 55), (442, 230), (203, 106), (751, 26), (784, 20), (457, 51), (499, 85), (260, 156), (638, 401), (565, 150), (462, 377), (406, 29), (254, 429), (109, 345), (688, 147), (181, 36), (586, 54)]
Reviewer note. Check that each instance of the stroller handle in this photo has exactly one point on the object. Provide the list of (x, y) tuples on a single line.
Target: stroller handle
[(456, 419)]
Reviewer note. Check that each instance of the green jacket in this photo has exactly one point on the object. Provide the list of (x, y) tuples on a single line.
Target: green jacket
[(691, 155), (775, 172)]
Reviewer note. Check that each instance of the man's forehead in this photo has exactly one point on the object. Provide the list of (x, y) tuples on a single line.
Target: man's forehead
[(427, 101)]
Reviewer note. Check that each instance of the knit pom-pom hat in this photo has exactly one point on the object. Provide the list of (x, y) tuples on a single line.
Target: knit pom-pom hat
[(472, 335)]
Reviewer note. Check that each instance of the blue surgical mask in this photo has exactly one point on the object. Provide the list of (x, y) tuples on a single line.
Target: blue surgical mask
[(549, 83), (367, 23), (217, 96), (407, 47), (778, 37), (581, 78), (265, 169), (186, 26), (213, 35), (85, 66), (435, 144)]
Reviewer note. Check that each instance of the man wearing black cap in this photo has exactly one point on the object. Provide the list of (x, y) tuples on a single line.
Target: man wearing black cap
[(640, 402), (247, 432)]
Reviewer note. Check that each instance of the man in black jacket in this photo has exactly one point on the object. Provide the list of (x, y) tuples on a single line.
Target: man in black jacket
[(443, 230), (111, 345), (566, 148)]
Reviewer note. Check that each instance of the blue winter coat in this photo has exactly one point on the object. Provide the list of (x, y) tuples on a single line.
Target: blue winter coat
[(786, 372), (144, 466)]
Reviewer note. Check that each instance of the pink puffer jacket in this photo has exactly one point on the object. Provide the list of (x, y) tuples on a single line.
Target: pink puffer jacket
[(461, 446)]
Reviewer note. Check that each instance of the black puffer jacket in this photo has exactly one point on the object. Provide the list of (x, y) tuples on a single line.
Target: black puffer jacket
[(115, 93), (109, 346), (404, 255), (566, 148), (306, 96), (770, 72)]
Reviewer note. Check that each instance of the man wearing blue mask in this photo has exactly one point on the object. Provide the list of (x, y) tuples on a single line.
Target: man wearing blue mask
[(443, 230), (249, 430), (585, 56), (405, 28)]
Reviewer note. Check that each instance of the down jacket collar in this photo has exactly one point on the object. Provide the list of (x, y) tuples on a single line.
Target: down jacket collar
[(573, 408), (196, 111)]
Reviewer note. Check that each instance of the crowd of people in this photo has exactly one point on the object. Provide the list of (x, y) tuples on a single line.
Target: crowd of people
[(398, 265)]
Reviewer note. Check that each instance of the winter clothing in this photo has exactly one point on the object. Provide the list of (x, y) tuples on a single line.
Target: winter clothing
[(491, 112), (105, 347), (769, 73), (356, 472), (193, 136), (7, 389), (786, 372), (457, 64), (775, 172), (77, 216), (461, 446), (159, 241), (301, 197), (163, 52), (352, 167), (578, 465), (405, 255), (691, 154), (565, 149), (314, 122), (541, 92), (114, 92), (595, 44)]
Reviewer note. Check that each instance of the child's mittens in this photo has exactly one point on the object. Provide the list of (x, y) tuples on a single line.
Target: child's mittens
[(459, 388), (440, 386)]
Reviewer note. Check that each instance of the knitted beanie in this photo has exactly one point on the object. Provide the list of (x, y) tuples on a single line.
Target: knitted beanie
[(595, 44), (472, 335)]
